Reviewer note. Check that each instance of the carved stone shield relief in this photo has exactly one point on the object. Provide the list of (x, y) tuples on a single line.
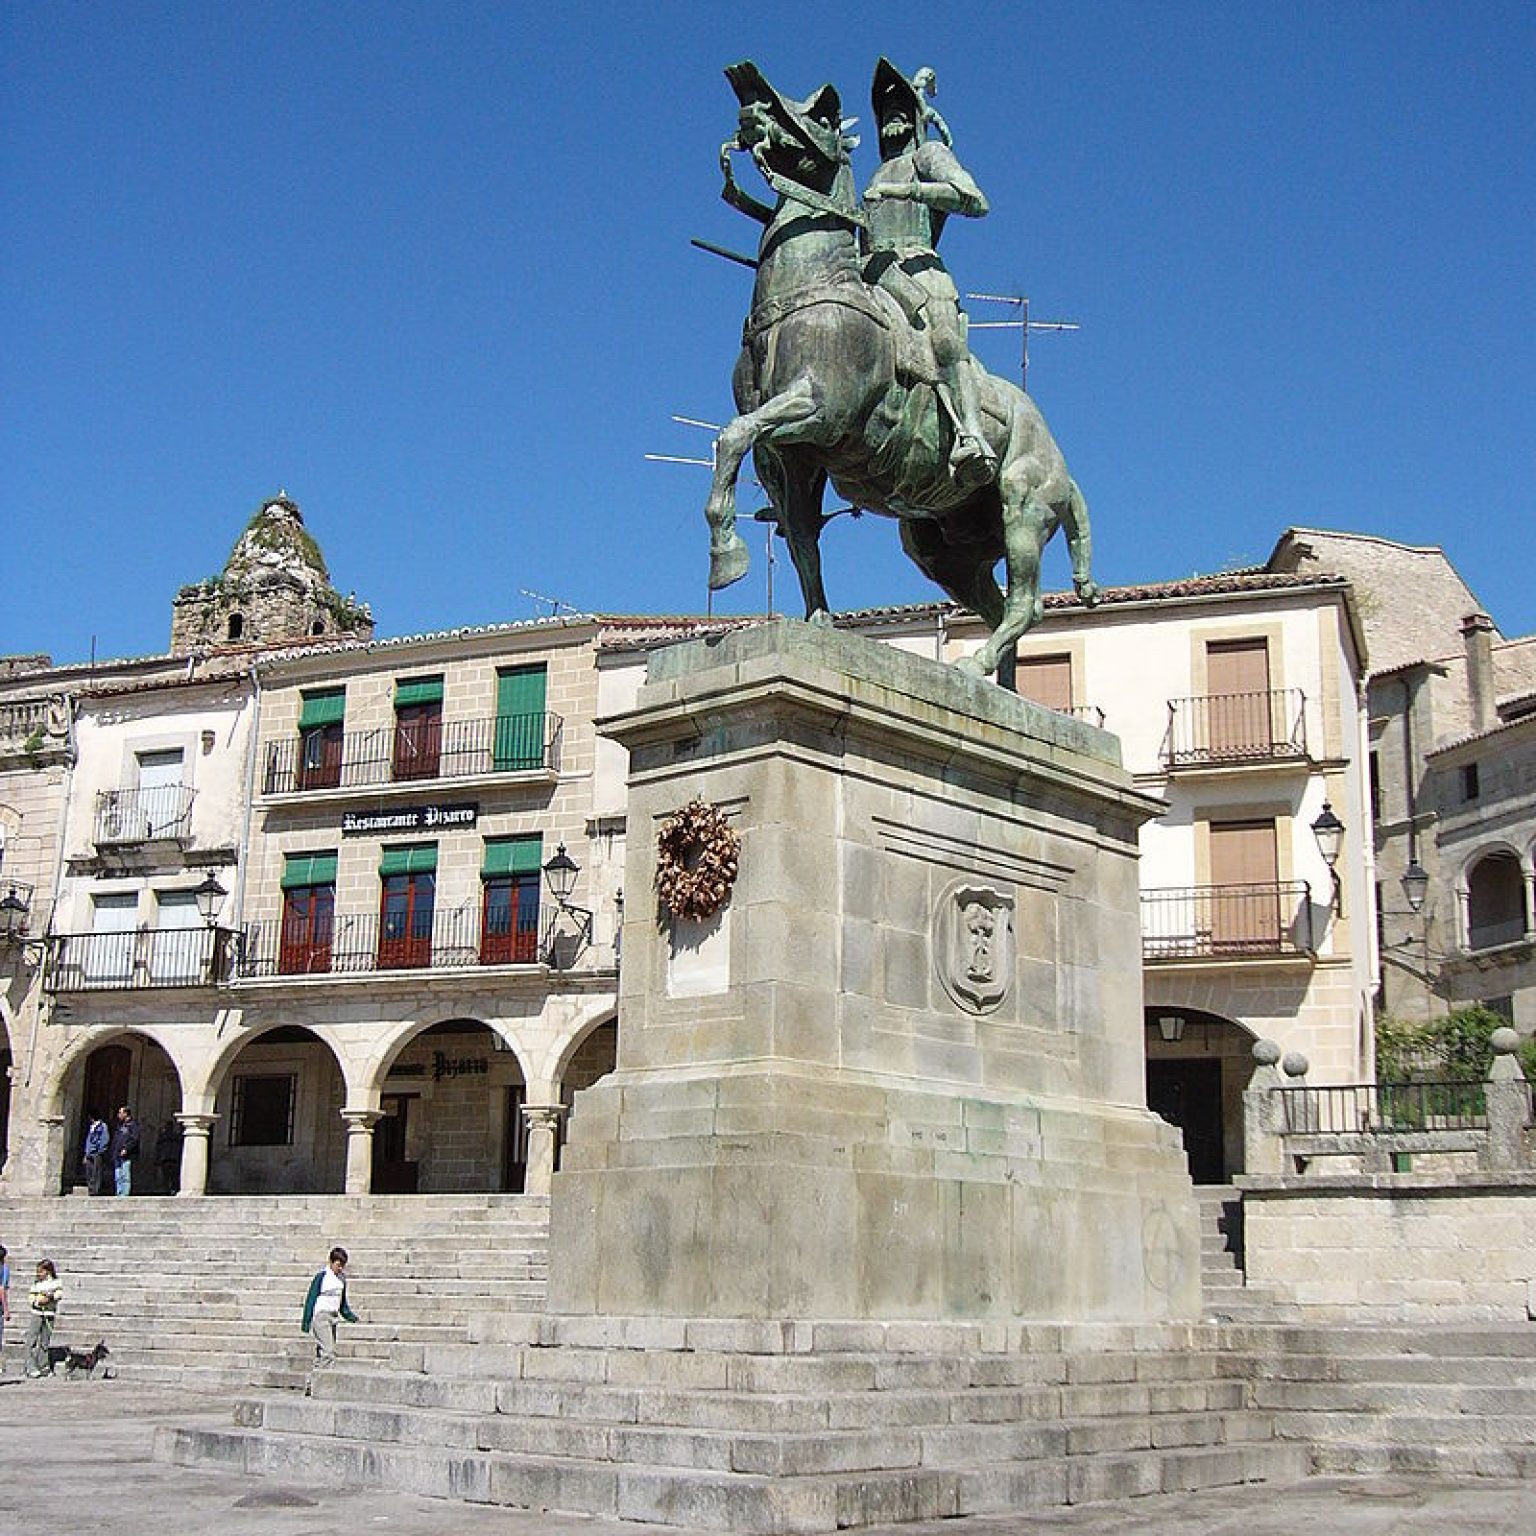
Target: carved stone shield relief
[(973, 945)]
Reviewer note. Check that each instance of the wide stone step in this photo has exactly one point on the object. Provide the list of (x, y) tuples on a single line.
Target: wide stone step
[(1443, 1430), (745, 1500), (1374, 1458), (1460, 1370)]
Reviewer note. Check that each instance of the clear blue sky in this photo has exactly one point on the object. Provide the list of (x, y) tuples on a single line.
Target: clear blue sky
[(427, 267)]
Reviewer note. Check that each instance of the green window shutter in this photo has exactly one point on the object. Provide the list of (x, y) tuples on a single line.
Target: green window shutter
[(323, 708), (414, 859), (301, 869), (418, 690), (519, 718), (512, 856)]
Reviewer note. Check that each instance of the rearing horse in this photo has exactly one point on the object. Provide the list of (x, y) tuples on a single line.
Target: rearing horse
[(832, 385)]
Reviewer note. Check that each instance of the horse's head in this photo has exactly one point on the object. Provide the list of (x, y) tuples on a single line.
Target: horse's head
[(800, 140)]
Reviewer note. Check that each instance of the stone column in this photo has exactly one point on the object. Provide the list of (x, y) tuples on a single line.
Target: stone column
[(360, 1124), (1506, 1099), (543, 1122), (1529, 876), (197, 1131)]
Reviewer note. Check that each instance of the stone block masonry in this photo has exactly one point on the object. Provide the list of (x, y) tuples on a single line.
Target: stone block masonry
[(900, 1075)]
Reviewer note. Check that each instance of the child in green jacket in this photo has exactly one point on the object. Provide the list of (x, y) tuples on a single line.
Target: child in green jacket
[(325, 1307)]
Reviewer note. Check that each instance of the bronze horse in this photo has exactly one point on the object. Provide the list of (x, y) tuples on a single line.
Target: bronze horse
[(831, 385)]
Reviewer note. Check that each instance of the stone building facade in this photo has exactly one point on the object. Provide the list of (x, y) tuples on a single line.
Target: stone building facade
[(390, 996), (1448, 703)]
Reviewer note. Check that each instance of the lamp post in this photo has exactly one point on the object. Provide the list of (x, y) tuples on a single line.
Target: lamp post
[(210, 898), (1329, 832), (560, 875), (13, 926), (1415, 883)]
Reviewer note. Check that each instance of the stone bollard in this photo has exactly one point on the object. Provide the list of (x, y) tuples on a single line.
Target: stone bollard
[(1509, 1105), (1263, 1145), (1301, 1108)]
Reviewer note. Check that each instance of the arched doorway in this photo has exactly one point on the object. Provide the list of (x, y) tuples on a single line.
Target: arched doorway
[(452, 1123), (130, 1070), (279, 1128), (595, 1055), (1197, 1067)]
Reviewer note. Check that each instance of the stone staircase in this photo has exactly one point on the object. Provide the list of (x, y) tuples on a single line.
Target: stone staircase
[(1228, 1298), (206, 1294), (785, 1427), (1458, 1400)]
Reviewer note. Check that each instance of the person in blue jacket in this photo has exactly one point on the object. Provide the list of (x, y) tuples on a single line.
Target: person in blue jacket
[(97, 1139), (325, 1307)]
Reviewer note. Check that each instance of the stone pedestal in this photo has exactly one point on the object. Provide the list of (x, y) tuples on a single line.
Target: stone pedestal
[(900, 1075)]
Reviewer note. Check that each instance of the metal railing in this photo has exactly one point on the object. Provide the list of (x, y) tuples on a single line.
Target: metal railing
[(144, 815), (354, 944), (1227, 921), (140, 958), (417, 751), (1218, 729), (1383, 1108)]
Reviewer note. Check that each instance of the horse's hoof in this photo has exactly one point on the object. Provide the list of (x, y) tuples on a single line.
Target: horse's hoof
[(728, 563), (1089, 593), (821, 619), (971, 666)]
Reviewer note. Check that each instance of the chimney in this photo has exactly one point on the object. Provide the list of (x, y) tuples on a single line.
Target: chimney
[(1477, 637)]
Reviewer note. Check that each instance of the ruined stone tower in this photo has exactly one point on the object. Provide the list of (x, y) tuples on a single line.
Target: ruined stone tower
[(274, 587)]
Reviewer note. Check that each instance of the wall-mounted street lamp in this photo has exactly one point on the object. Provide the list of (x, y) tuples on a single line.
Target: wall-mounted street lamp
[(1170, 1026), (13, 927), (1329, 832), (1415, 885), (210, 898), (560, 875)]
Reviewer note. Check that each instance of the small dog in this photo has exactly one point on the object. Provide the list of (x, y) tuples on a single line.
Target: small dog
[(86, 1360)]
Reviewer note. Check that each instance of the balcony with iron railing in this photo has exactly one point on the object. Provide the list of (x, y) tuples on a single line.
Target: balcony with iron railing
[(447, 939), (140, 958), (423, 751), (1227, 730), (159, 814), (1227, 922)]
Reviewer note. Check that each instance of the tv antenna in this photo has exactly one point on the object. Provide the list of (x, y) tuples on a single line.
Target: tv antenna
[(1023, 325), (556, 604), (768, 516)]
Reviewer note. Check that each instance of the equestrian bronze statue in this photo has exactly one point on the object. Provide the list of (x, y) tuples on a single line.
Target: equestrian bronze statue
[(855, 366)]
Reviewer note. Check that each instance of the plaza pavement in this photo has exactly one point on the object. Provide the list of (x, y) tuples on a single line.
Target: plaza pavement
[(75, 1457)]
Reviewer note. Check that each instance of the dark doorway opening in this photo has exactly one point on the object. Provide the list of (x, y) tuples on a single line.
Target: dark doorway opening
[(393, 1172), (1187, 1093)]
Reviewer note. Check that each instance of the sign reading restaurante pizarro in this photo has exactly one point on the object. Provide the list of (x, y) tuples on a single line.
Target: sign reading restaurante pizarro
[(415, 818)]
